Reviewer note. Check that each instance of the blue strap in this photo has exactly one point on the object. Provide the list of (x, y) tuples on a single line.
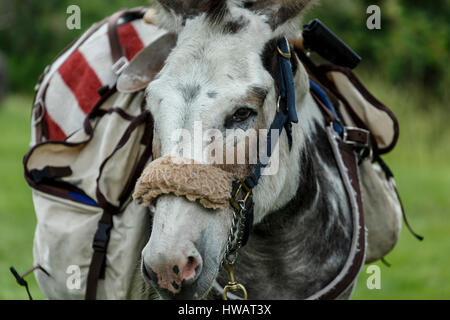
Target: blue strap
[(278, 124), (283, 118), (82, 198), (286, 83), (326, 101)]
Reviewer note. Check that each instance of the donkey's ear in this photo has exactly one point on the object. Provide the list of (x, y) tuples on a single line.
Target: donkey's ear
[(278, 11), (146, 65)]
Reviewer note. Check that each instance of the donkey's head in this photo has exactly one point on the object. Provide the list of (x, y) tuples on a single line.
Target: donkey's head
[(220, 76)]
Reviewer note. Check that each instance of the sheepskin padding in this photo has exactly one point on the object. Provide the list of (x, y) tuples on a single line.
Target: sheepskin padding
[(208, 184)]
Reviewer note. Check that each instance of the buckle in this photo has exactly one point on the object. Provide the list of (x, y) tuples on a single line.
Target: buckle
[(101, 237), (246, 191), (361, 143), (120, 65)]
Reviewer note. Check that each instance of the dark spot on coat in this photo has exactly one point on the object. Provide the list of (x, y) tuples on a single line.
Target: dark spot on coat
[(187, 9), (190, 92), (212, 94), (175, 285), (236, 25), (277, 14), (215, 10), (260, 93), (269, 58)]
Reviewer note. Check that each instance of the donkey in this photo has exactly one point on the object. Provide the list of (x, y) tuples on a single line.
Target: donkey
[(222, 72)]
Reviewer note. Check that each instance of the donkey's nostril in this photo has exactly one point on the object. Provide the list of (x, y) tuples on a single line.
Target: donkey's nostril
[(176, 270), (172, 269), (189, 268)]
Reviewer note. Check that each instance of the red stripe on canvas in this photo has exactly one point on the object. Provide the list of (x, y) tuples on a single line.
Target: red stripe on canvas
[(130, 40), (55, 133), (81, 80)]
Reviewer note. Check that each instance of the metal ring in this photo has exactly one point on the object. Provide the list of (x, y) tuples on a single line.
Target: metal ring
[(284, 55)]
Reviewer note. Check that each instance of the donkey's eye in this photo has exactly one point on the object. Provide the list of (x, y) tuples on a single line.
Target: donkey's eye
[(240, 117), (242, 114)]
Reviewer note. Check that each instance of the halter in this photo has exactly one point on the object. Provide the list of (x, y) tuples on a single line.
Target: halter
[(242, 195)]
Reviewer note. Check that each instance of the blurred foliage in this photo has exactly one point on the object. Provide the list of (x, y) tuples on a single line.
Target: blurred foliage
[(412, 46), (33, 32)]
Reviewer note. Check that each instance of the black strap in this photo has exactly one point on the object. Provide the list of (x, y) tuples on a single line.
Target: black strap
[(98, 262), (21, 279), (418, 236), (49, 172)]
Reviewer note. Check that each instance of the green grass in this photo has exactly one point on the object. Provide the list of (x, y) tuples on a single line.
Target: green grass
[(16, 207), (421, 162)]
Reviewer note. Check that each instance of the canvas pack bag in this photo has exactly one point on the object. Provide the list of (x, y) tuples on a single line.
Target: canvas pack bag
[(89, 145), (358, 108)]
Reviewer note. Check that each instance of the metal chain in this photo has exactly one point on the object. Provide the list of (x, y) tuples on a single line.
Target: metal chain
[(234, 242)]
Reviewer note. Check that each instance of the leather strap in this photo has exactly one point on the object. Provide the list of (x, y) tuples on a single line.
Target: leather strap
[(345, 155), (329, 117), (357, 136), (117, 51), (348, 156)]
